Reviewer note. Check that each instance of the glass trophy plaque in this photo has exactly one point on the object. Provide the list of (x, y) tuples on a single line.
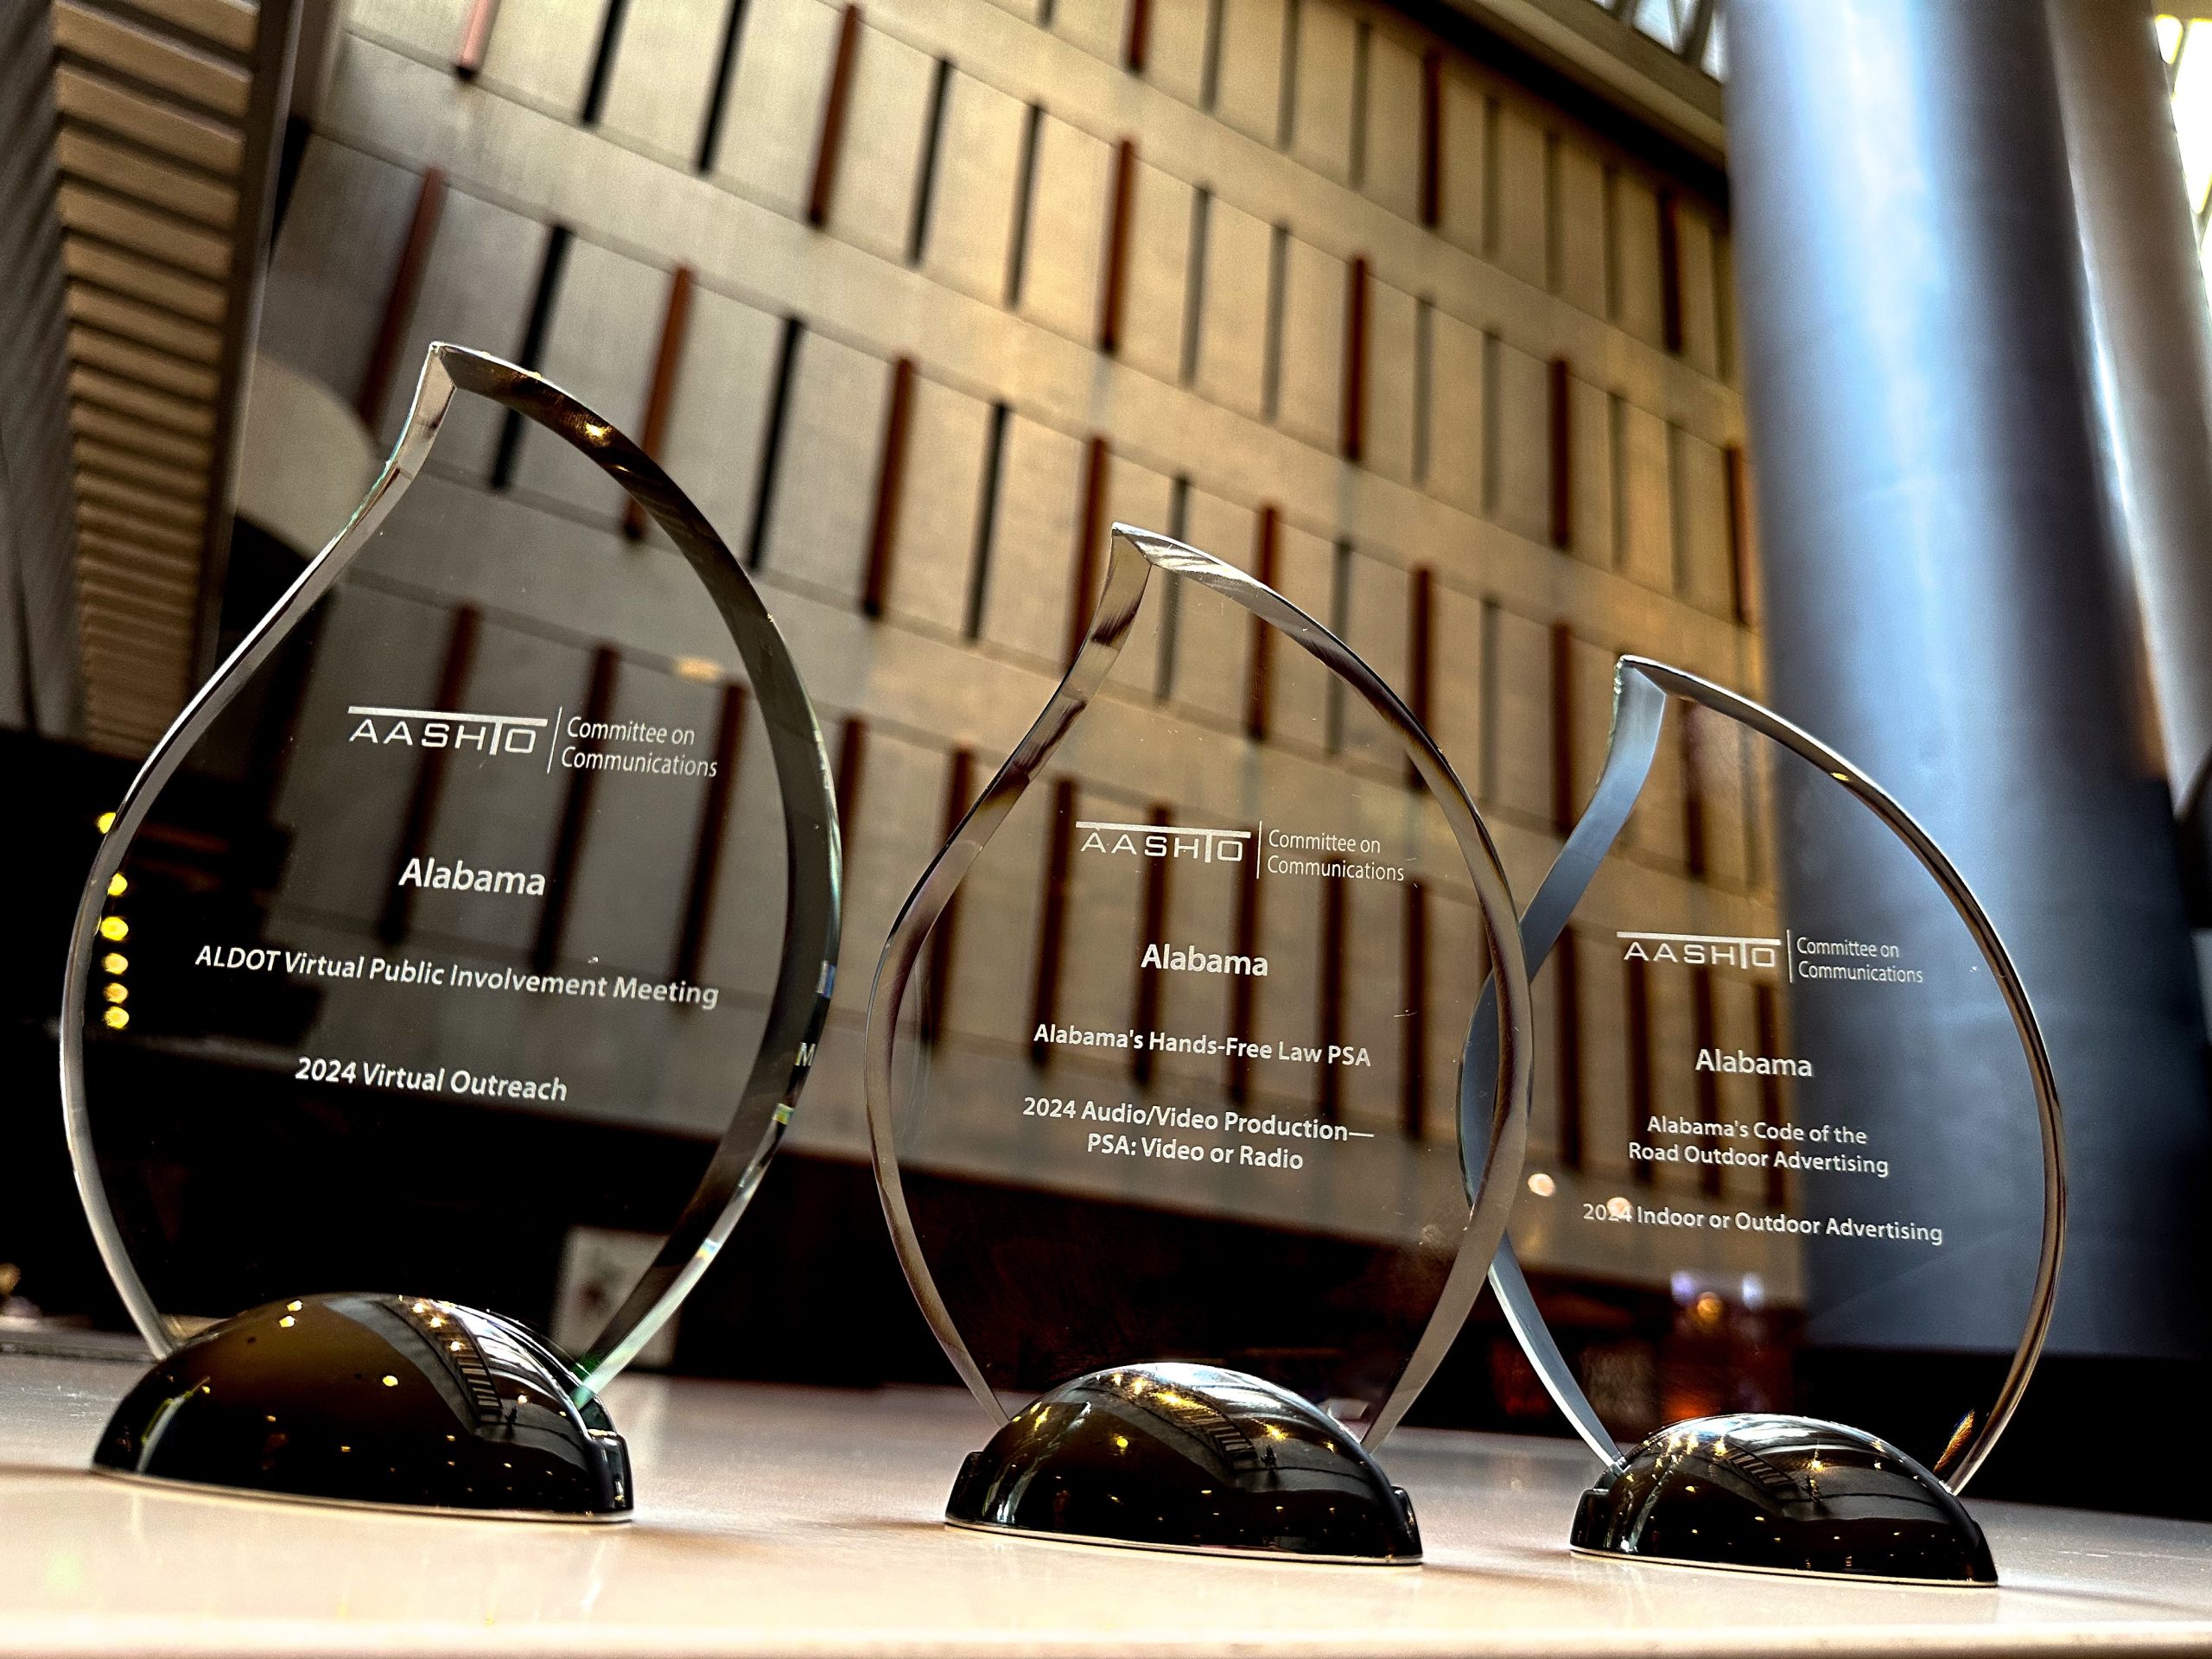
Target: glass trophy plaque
[(1792, 1215), (446, 945), (1166, 1062)]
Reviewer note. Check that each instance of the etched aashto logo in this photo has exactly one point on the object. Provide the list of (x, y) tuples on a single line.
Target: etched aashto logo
[(1700, 950), (445, 728), (1205, 846)]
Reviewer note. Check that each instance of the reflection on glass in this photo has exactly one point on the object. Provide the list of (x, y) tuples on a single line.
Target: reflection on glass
[(446, 938), (1167, 1063), (1754, 1184)]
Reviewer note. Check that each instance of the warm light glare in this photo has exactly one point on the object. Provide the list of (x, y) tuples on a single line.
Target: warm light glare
[(116, 1019), (106, 821), (1543, 1184), (2193, 112), (390, 1381), (115, 962), (286, 1322), (116, 993), (705, 670), (114, 927), (117, 886)]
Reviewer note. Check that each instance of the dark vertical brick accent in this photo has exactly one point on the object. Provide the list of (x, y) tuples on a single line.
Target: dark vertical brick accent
[(1563, 780), (1090, 544), (429, 776), (710, 129), (1637, 982), (475, 38), (602, 60), (1113, 290), (890, 484), (1431, 138), (1243, 995), (917, 228), (1705, 1024), (1740, 534), (986, 518), (668, 359), (832, 138), (1694, 838), (1565, 967), (1053, 915), (1355, 411), (399, 298), (1562, 454), (1194, 285), (707, 847), (532, 349), (575, 814), (1421, 651), (1768, 1017), (959, 795), (1144, 1013), (1413, 1037), (771, 443), (1259, 681), (1670, 272), (848, 776), (1136, 45), (1328, 1094), (1025, 187)]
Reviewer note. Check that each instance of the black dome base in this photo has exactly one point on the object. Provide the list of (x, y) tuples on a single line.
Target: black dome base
[(398, 1402), (1783, 1495), (1186, 1458)]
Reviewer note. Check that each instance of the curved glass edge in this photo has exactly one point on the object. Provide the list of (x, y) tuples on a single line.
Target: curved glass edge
[(1641, 688), (1133, 554), (813, 854)]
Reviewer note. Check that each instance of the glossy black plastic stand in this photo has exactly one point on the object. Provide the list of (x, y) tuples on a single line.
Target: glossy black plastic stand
[(1187, 1458), (1780, 1494), (396, 1401)]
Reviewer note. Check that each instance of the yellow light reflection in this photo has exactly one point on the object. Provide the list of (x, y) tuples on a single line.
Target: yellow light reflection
[(2193, 112), (116, 993), (105, 822), (115, 962), (116, 885), (390, 1381), (1543, 1184), (116, 1019), (114, 927)]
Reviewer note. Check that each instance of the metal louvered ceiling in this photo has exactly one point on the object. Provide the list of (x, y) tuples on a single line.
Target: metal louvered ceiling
[(169, 117)]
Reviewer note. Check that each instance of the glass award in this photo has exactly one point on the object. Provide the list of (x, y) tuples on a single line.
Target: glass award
[(446, 944), (1794, 1205), (1167, 1064)]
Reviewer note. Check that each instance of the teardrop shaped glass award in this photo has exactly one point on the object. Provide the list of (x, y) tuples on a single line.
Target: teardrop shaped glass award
[(446, 944), (1166, 1066), (1795, 1195)]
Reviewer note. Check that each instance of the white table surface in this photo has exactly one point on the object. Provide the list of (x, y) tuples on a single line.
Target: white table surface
[(800, 1521)]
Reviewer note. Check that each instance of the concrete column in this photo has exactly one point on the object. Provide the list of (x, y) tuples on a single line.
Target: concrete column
[(2151, 339), (1945, 603)]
